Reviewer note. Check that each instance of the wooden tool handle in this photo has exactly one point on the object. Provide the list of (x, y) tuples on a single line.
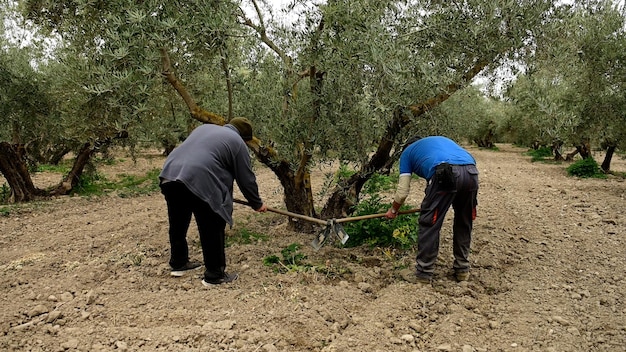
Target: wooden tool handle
[(373, 216), (288, 213)]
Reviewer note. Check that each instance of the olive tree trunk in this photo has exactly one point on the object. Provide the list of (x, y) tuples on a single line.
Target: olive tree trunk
[(15, 170)]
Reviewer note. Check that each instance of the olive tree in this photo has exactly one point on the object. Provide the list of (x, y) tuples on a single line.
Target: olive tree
[(347, 80), (375, 69), (573, 91), (472, 116), (103, 84), (27, 106)]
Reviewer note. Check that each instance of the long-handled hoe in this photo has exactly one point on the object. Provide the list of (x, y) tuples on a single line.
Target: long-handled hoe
[(332, 226)]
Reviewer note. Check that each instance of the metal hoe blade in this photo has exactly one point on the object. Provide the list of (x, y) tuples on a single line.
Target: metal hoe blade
[(321, 237), (333, 227), (340, 232)]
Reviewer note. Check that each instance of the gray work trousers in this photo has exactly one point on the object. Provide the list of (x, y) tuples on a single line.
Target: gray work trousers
[(462, 196)]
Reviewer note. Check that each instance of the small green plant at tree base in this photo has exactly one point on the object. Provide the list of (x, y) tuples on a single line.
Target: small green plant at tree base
[(540, 153), (90, 184), (62, 168), (400, 232), (95, 184), (585, 168), (5, 193), (131, 185), (292, 259)]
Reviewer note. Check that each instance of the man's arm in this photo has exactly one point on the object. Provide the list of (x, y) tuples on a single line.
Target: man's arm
[(402, 192)]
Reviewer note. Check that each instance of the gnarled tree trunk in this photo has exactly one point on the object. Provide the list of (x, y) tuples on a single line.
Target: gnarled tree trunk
[(583, 148), (556, 150), (72, 178), (13, 167), (606, 163)]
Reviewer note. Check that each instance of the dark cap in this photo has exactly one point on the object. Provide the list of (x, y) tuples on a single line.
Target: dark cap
[(244, 127)]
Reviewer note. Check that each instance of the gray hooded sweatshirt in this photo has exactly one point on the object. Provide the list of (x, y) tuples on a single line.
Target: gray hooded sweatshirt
[(208, 162)]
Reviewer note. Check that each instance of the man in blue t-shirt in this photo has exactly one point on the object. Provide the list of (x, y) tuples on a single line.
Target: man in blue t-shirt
[(452, 180)]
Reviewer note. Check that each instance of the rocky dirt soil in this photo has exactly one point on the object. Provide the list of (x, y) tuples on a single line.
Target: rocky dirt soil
[(548, 274)]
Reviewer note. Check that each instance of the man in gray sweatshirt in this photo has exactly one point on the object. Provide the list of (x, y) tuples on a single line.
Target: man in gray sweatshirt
[(197, 178)]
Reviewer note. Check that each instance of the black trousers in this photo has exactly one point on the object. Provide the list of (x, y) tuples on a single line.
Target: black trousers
[(181, 204)]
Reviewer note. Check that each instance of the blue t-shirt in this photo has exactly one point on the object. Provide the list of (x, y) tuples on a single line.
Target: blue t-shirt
[(423, 156)]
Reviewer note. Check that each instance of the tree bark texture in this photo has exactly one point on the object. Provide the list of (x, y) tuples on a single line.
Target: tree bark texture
[(13, 167), (583, 148), (296, 189), (606, 163), (73, 177), (556, 150)]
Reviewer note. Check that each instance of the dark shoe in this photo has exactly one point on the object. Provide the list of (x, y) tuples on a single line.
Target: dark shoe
[(462, 276), (222, 280), (411, 276), (190, 265)]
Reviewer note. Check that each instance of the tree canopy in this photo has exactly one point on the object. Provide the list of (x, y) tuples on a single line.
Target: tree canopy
[(573, 91), (345, 80)]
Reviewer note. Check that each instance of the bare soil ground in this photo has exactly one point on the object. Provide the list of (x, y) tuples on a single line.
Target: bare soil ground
[(548, 274)]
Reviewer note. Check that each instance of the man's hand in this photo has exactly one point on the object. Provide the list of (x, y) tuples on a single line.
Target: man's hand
[(391, 213), (262, 209)]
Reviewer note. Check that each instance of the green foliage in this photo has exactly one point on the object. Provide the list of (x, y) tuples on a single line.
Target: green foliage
[(400, 232), (61, 168), (470, 116), (375, 184), (379, 183), (5, 193), (90, 184), (131, 185), (292, 259), (245, 236), (343, 172), (539, 154), (370, 58), (574, 89), (95, 184), (585, 168)]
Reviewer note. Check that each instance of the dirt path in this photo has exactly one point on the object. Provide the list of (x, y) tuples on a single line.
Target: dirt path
[(548, 274)]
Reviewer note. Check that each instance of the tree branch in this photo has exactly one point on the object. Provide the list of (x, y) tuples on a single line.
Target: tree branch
[(420, 109), (196, 112), (262, 32)]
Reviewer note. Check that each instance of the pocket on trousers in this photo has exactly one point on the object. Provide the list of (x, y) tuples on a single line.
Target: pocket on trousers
[(445, 178), (472, 182), (428, 218)]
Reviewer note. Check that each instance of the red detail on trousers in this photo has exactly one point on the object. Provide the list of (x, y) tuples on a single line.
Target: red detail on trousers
[(474, 213), (435, 216)]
